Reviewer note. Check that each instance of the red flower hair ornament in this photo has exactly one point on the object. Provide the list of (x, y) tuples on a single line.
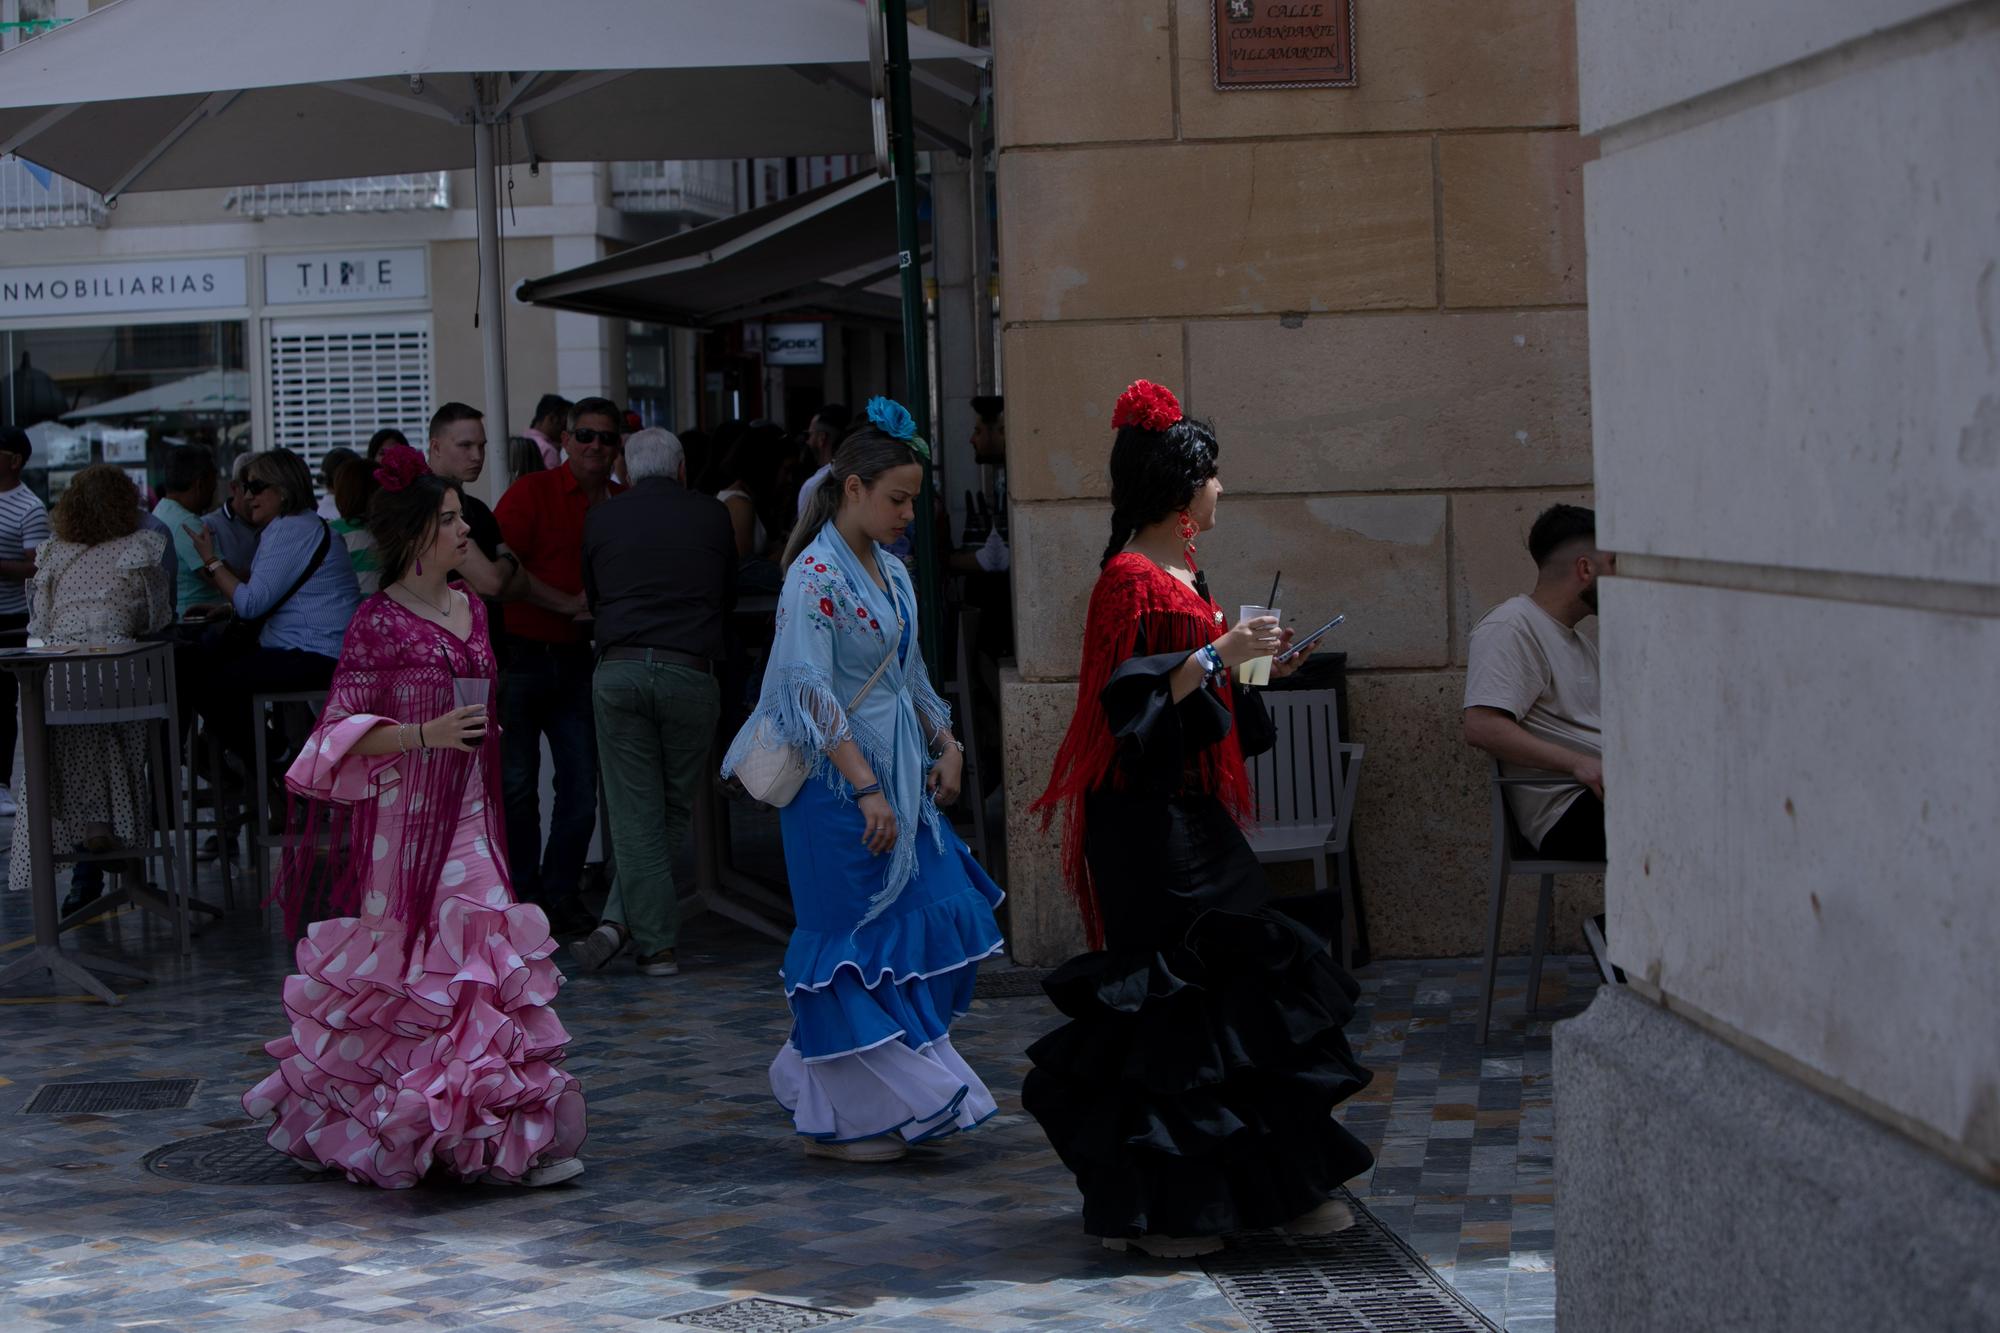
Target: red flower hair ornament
[(399, 467), (1146, 405)]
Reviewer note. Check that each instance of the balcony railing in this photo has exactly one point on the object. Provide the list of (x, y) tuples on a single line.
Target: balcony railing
[(32, 199), (701, 191), (356, 194)]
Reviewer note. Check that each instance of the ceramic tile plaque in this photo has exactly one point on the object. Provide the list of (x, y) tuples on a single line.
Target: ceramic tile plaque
[(1284, 43)]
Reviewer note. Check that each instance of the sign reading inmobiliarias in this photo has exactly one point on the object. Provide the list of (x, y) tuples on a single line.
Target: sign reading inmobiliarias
[(122, 287)]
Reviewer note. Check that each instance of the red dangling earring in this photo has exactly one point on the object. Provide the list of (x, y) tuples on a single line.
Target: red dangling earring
[(1188, 533)]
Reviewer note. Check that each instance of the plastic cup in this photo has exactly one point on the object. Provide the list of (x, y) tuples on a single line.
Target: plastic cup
[(466, 690), (1256, 671)]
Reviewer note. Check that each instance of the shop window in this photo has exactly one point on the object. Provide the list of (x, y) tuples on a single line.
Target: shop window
[(125, 394), (336, 382)]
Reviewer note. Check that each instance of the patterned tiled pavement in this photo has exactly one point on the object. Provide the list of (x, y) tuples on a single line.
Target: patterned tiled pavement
[(696, 1193)]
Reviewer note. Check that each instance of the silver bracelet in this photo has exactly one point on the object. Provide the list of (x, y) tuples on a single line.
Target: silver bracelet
[(951, 743)]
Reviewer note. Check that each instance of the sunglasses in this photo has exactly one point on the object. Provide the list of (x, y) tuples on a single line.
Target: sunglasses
[(252, 486), (588, 436)]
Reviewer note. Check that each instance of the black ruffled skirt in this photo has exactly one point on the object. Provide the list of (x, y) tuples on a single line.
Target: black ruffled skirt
[(1192, 1091)]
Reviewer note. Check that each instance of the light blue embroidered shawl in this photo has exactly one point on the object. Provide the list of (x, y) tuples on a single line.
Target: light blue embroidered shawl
[(834, 628)]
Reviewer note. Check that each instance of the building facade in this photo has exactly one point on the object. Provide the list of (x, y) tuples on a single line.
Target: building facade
[(1791, 1117), (1376, 294)]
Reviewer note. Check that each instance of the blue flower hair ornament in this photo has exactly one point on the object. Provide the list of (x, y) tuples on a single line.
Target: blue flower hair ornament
[(894, 420)]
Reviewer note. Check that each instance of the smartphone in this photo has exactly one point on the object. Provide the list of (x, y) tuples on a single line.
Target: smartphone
[(1309, 640)]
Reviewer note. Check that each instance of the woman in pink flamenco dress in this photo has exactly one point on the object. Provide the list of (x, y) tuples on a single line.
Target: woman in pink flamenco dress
[(421, 1033)]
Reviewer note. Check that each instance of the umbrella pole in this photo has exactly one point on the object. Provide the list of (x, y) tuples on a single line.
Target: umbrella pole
[(486, 205), (916, 353)]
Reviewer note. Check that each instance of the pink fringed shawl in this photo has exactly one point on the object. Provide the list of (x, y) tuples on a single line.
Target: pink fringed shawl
[(369, 833)]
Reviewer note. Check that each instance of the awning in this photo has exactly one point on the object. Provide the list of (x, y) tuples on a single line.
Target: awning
[(831, 249)]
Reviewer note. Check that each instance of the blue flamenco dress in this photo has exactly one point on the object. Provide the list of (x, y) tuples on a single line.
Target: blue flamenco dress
[(887, 946)]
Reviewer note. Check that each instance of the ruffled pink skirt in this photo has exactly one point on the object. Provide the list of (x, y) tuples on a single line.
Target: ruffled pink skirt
[(395, 1064)]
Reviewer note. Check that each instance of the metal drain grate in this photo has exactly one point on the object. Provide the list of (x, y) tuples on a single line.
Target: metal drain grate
[(1362, 1280), (233, 1157), (1008, 984), (149, 1094), (758, 1315)]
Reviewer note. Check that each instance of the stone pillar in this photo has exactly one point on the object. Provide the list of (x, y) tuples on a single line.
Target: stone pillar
[(1791, 1120), (1375, 294)]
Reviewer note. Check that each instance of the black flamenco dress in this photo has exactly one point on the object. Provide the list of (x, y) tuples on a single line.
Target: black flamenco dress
[(1192, 1091)]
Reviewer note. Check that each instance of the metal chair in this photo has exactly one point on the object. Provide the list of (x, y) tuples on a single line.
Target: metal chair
[(1305, 787), (1513, 856), (132, 687), (206, 787), (263, 838)]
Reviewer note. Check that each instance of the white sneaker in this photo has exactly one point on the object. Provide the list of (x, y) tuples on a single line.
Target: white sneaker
[(7, 806), (1165, 1247), (1331, 1216), (549, 1173), (881, 1148)]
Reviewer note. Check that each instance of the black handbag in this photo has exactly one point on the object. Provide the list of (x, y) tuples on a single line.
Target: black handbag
[(238, 638)]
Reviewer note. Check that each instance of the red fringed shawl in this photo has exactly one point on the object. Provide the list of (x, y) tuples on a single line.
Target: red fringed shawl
[(1132, 593)]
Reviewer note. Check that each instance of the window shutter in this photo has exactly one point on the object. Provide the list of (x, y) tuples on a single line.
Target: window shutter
[(338, 381)]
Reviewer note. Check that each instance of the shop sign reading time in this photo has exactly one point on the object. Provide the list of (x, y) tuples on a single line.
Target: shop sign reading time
[(1284, 43), (345, 275), (131, 287)]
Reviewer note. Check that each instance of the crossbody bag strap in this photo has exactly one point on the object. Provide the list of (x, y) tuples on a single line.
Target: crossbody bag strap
[(312, 568), (893, 647)]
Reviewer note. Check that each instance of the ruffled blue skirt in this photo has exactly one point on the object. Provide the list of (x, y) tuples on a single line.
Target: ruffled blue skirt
[(870, 1050)]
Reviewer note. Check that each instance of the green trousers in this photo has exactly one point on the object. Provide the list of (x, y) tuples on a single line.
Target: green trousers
[(655, 730)]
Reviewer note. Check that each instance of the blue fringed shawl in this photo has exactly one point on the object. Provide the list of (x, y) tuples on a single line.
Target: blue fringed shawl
[(834, 627)]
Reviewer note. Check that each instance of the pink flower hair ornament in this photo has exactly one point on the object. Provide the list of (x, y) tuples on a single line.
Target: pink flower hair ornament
[(399, 467)]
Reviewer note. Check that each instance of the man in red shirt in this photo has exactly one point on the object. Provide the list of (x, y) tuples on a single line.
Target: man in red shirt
[(546, 668)]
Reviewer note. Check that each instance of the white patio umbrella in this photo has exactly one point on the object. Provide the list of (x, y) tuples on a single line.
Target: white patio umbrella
[(178, 94)]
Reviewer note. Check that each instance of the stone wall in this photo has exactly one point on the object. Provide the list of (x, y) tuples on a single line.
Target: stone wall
[(1795, 347), (1376, 296)]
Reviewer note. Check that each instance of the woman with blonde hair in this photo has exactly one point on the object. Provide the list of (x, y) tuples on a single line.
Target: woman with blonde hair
[(99, 580)]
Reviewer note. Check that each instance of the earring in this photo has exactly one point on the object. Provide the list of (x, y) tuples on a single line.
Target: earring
[(1188, 533), (420, 565)]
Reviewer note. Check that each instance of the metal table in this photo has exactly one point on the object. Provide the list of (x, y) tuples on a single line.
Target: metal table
[(45, 954)]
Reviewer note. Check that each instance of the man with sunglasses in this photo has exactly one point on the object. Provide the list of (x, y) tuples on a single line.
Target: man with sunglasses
[(546, 666)]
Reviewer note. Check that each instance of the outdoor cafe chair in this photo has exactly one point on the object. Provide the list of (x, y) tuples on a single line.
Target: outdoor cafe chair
[(1305, 786), (263, 837), (131, 687), (1512, 855)]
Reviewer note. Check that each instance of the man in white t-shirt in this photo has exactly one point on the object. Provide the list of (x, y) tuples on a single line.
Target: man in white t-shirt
[(24, 526), (1531, 689), (823, 437)]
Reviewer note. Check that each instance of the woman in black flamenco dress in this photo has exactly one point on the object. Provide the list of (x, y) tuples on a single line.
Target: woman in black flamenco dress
[(1192, 1090)]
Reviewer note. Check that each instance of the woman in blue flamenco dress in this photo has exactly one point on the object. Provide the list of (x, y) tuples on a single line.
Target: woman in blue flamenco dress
[(893, 912)]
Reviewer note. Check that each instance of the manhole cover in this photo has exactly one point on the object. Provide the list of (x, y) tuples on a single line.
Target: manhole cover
[(233, 1157), (148, 1094), (1015, 981), (1362, 1280), (758, 1315)]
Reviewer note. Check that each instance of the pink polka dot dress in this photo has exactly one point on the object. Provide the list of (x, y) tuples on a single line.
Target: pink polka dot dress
[(421, 1034)]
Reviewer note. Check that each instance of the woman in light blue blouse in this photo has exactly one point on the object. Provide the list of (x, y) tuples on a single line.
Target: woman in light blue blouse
[(894, 915), (300, 594)]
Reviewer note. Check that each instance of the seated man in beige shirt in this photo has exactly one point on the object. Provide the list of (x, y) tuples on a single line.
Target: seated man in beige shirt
[(1531, 690)]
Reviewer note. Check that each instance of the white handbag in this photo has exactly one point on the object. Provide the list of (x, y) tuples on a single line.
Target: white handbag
[(772, 771)]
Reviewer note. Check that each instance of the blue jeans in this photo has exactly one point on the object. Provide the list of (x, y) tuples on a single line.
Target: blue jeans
[(545, 691)]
